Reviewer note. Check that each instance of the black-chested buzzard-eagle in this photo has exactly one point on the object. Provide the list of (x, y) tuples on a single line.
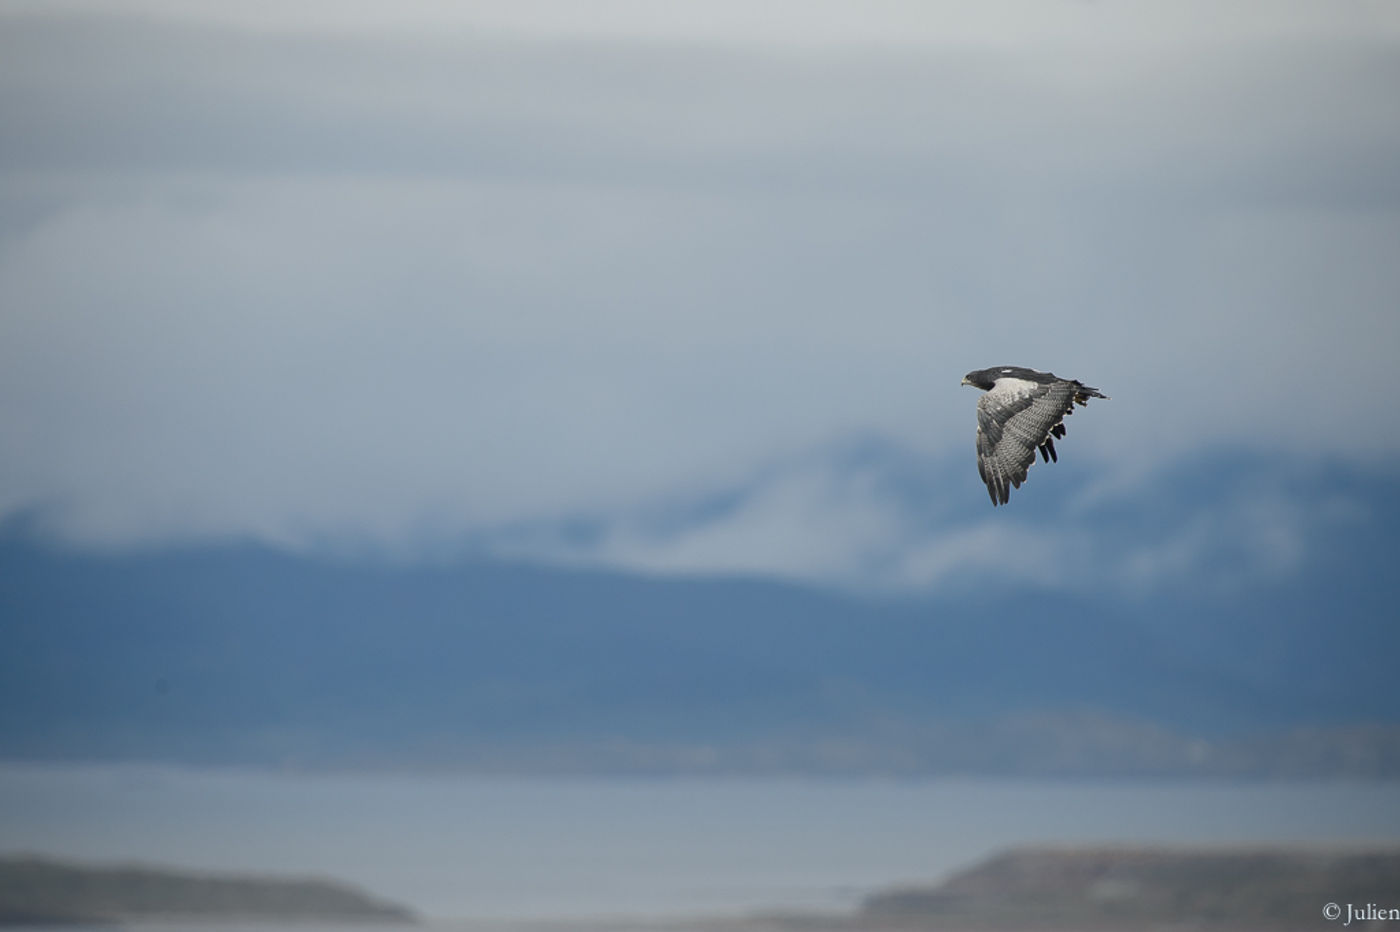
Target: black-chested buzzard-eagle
[(1022, 411)]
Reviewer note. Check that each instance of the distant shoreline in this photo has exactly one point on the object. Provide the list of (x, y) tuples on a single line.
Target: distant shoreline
[(44, 891), (1123, 888), (1108, 888), (1132, 888)]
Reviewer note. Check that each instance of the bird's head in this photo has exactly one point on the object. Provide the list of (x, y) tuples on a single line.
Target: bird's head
[(979, 378)]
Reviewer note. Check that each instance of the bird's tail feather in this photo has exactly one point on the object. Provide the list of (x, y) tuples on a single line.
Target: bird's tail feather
[(1082, 394)]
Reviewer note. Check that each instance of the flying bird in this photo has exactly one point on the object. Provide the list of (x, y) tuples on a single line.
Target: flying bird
[(1022, 411)]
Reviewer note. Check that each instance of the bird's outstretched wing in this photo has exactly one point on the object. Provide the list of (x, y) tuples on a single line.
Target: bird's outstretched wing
[(1016, 419)]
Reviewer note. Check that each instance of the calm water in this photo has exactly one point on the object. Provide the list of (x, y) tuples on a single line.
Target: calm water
[(455, 847)]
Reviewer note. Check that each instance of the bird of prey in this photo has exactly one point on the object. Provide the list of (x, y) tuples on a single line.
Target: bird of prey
[(1022, 411)]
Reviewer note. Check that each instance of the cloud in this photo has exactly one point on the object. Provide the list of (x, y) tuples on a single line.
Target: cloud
[(812, 519), (869, 515), (800, 23), (498, 265)]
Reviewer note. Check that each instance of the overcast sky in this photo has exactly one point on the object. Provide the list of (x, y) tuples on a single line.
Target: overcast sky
[(417, 272)]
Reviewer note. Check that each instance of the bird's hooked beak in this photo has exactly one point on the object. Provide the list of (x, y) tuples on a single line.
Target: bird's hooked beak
[(965, 381)]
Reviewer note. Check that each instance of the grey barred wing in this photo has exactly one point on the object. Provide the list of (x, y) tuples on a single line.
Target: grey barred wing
[(1016, 421)]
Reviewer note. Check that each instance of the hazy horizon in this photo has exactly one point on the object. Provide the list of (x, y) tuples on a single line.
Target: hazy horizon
[(511, 848)]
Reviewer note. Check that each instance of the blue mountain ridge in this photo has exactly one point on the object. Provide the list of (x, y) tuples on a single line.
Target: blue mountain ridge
[(239, 653)]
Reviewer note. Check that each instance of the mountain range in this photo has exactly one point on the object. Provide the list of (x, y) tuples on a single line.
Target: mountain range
[(242, 653)]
